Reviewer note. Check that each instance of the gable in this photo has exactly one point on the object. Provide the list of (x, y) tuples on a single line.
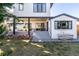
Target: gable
[(66, 16)]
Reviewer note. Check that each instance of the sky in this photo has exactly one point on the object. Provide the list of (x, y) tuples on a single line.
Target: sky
[(68, 8)]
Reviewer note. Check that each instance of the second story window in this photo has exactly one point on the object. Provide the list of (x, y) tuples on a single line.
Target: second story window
[(21, 6), (39, 7)]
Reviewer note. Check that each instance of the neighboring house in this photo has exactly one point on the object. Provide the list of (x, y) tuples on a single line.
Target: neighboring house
[(63, 26), (38, 13), (78, 27)]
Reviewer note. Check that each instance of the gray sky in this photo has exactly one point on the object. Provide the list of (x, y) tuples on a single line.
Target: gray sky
[(69, 8)]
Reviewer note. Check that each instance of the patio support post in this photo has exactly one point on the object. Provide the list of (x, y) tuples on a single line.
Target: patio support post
[(29, 27), (14, 25)]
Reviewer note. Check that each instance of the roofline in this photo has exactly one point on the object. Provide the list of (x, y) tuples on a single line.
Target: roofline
[(65, 15), (34, 17)]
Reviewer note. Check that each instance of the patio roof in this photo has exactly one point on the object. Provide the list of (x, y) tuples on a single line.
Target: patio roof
[(33, 17)]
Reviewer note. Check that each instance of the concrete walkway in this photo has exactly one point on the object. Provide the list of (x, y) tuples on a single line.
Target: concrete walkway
[(41, 36)]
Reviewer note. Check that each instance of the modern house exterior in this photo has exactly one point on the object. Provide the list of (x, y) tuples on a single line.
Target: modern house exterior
[(38, 13), (37, 16)]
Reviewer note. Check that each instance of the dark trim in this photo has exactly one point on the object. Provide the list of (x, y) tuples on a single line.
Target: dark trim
[(51, 4), (47, 26), (29, 27), (65, 15), (34, 17), (14, 23), (50, 17)]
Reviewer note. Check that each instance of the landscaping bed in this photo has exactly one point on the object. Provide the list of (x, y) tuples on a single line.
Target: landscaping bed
[(20, 37)]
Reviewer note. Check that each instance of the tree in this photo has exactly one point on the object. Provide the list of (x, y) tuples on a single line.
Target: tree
[(3, 13)]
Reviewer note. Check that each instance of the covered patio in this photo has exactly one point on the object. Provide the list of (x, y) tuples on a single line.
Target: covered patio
[(28, 33)]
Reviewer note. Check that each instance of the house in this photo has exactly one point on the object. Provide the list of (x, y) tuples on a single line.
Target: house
[(37, 16), (37, 13), (63, 26)]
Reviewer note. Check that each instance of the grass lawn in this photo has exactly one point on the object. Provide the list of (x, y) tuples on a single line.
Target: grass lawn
[(25, 48)]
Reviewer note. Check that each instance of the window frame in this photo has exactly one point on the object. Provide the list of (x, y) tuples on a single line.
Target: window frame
[(68, 22), (37, 9)]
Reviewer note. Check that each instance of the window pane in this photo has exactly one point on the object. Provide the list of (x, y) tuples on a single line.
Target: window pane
[(55, 25), (21, 6), (58, 25), (44, 7), (35, 7), (70, 25), (38, 25), (63, 25), (39, 7)]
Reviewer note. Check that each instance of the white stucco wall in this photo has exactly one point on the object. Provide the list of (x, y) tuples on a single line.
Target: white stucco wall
[(28, 11), (72, 31)]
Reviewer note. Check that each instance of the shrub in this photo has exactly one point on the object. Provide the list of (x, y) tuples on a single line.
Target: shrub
[(1, 43), (6, 52), (2, 31)]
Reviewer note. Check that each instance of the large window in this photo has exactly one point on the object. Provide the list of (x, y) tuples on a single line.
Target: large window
[(21, 6), (63, 24), (40, 26), (39, 7)]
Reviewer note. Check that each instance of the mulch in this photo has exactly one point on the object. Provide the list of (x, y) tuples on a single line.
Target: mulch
[(19, 37)]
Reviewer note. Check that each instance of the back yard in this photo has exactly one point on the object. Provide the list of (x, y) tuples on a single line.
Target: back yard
[(26, 48)]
